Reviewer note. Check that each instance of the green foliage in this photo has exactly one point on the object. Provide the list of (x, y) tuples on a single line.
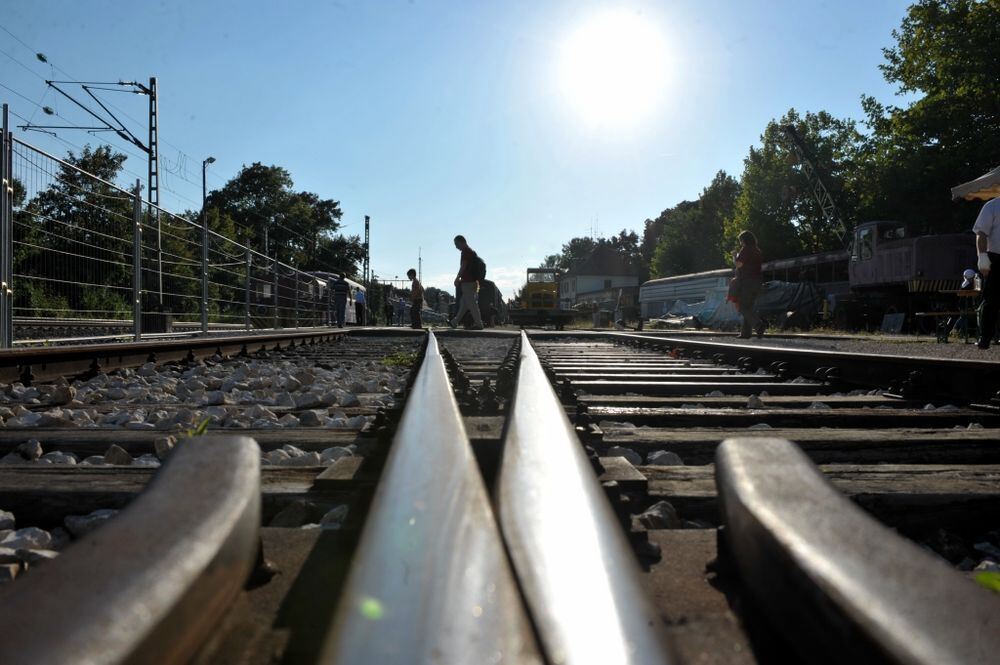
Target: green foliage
[(776, 200), (574, 251), (947, 55), (690, 233), (625, 244), (198, 430), (432, 295), (115, 304), (34, 299), (990, 580), (77, 231), (301, 227), (401, 359)]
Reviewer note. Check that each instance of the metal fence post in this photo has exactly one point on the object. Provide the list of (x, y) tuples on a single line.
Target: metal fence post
[(246, 290), (204, 271), (6, 236), (295, 320), (275, 288), (137, 263)]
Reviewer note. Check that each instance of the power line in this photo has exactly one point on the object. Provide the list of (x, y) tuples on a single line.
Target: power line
[(179, 169), (125, 113)]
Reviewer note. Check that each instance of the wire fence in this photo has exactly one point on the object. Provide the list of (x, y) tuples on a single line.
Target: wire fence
[(84, 258)]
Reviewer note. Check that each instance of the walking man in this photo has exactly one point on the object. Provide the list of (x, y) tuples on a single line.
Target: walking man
[(987, 228), (359, 307), (416, 299), (468, 281), (340, 289)]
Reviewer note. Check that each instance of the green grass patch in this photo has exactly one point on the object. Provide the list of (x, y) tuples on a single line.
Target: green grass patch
[(405, 359), (989, 580)]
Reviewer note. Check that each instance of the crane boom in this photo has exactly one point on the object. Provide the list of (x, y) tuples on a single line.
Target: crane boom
[(822, 195)]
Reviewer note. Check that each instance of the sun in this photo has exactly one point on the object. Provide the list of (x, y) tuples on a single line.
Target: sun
[(612, 69)]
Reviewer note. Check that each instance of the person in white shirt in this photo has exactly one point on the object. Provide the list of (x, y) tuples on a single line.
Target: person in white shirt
[(987, 228)]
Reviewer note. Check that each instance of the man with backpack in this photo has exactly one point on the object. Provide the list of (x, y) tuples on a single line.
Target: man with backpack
[(472, 270), (339, 290)]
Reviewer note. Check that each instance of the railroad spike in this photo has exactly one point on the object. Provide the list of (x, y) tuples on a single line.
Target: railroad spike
[(595, 461), (27, 376), (94, 369), (566, 393)]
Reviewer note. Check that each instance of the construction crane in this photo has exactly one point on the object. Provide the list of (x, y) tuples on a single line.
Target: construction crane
[(822, 195)]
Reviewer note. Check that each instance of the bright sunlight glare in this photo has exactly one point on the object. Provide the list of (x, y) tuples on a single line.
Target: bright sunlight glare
[(613, 69)]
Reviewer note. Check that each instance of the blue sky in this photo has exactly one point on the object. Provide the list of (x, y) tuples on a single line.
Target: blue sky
[(437, 117)]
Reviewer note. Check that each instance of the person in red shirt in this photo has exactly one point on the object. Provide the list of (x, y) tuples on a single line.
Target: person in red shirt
[(749, 276), (469, 285)]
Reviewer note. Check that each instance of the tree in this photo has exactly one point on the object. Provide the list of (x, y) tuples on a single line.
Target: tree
[(574, 251), (690, 237), (776, 201), (626, 244), (300, 226), (432, 295), (73, 241), (947, 52)]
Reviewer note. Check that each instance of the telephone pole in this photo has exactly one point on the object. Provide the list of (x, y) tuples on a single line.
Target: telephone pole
[(420, 265), (366, 265), (109, 122)]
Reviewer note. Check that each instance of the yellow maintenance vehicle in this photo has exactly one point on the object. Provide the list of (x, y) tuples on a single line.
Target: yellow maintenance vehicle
[(539, 301)]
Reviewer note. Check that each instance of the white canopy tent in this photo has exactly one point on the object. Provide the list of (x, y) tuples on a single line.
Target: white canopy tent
[(984, 187)]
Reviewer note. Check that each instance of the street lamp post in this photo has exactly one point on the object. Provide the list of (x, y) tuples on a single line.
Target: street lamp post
[(204, 247)]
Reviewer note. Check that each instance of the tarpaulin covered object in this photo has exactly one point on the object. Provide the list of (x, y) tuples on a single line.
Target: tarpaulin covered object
[(776, 300)]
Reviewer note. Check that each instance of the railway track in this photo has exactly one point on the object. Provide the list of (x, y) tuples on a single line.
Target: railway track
[(470, 525)]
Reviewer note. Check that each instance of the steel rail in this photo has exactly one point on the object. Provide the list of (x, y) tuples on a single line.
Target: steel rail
[(151, 584), (430, 581), (70, 360), (574, 566), (843, 587), (947, 377)]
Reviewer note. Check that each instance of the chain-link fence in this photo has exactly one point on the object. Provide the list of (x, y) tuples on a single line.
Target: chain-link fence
[(83, 258)]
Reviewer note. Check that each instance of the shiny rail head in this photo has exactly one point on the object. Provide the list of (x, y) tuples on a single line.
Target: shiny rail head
[(151, 584), (574, 566), (430, 581), (834, 580)]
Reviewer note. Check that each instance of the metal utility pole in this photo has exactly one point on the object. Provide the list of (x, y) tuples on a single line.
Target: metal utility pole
[(822, 195), (420, 265), (365, 276), (151, 147), (204, 246), (137, 263), (153, 180), (6, 236)]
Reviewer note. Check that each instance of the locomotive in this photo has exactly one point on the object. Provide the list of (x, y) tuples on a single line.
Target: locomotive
[(539, 302)]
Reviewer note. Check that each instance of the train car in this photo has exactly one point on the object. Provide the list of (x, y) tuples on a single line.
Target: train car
[(658, 296), (327, 278), (886, 262), (828, 270), (887, 271), (288, 299), (539, 302)]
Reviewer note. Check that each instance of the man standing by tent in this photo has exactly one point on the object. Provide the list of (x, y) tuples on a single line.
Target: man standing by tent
[(987, 228), (339, 290), (469, 274)]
